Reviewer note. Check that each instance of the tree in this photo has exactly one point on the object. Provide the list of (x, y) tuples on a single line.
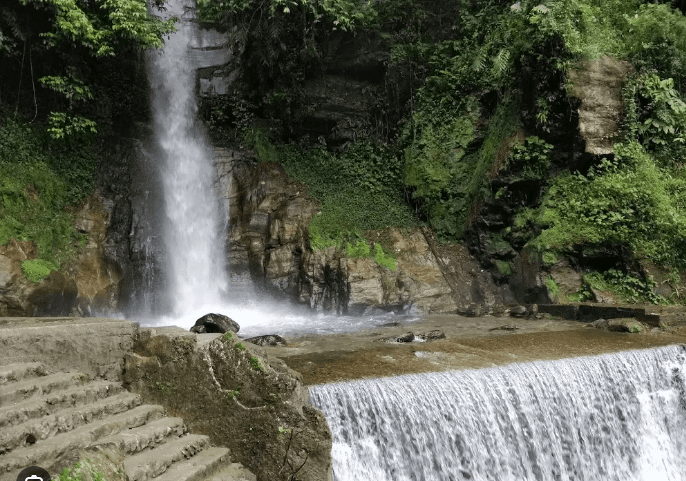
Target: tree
[(48, 45)]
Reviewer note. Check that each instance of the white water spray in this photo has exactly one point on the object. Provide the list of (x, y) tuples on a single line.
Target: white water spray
[(197, 277), (615, 417)]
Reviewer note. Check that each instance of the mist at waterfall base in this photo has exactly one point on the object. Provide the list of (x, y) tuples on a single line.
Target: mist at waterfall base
[(613, 417), (186, 220)]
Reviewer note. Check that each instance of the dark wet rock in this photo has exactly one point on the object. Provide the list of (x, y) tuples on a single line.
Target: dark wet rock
[(599, 324), (391, 324), (267, 340), (506, 327), (215, 323), (474, 310), (625, 325), (519, 311), (533, 312), (430, 336), (407, 337)]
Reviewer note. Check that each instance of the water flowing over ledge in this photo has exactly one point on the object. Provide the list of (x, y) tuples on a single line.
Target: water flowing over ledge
[(612, 417)]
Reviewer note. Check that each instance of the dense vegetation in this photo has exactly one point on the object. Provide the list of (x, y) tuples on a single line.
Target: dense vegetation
[(473, 90), (467, 92), (70, 82)]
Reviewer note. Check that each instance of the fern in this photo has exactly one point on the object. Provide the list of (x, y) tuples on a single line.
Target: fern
[(480, 59), (501, 62)]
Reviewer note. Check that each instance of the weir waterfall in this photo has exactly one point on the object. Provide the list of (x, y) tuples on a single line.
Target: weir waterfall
[(614, 417)]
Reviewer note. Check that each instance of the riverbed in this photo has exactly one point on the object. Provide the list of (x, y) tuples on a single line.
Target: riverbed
[(470, 343)]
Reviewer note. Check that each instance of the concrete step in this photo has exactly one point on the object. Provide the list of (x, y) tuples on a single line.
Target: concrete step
[(234, 472), (147, 436), (52, 402), (71, 442), (20, 391), (65, 420), (199, 467), (153, 462), (16, 372)]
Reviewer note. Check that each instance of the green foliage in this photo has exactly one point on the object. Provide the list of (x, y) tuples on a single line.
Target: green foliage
[(626, 286), (656, 116), (384, 259), (255, 363), (553, 288), (228, 336), (80, 469), (359, 249), (233, 394), (504, 268), (39, 178), (239, 346), (629, 201), (359, 189), (549, 258), (532, 159), (343, 14), (38, 269), (57, 41)]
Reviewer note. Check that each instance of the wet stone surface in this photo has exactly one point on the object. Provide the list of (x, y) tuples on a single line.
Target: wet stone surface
[(470, 343)]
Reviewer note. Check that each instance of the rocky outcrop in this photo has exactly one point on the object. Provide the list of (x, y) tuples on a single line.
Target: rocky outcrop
[(598, 84), (87, 285), (269, 217), (238, 396)]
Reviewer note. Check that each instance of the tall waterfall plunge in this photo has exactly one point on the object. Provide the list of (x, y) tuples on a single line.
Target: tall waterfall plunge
[(196, 277), (613, 417)]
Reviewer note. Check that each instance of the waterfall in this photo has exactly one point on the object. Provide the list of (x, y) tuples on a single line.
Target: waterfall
[(613, 417), (195, 259)]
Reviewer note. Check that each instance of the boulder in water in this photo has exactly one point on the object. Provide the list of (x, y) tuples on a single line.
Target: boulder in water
[(215, 323), (407, 337), (519, 311), (268, 340), (430, 336)]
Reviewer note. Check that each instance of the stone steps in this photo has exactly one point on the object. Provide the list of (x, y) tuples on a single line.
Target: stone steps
[(47, 404), (235, 472), (47, 419), (65, 420)]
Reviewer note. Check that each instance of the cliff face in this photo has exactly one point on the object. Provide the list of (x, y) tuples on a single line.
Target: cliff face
[(269, 217)]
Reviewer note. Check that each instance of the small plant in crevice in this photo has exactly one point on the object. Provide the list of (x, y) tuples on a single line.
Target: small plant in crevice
[(239, 346), (232, 394), (255, 363)]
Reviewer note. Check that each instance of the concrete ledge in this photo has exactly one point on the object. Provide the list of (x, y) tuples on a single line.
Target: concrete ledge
[(95, 346), (658, 316)]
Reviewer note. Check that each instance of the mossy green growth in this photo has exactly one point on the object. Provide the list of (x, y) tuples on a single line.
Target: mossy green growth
[(228, 335), (360, 248), (39, 179), (81, 469), (255, 363), (239, 346), (553, 288), (37, 269), (504, 268), (384, 259)]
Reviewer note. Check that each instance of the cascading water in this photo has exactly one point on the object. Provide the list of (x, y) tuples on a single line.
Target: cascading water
[(613, 417), (196, 269), (191, 255)]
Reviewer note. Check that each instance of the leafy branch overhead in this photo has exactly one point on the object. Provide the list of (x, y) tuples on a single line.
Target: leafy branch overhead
[(68, 36)]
